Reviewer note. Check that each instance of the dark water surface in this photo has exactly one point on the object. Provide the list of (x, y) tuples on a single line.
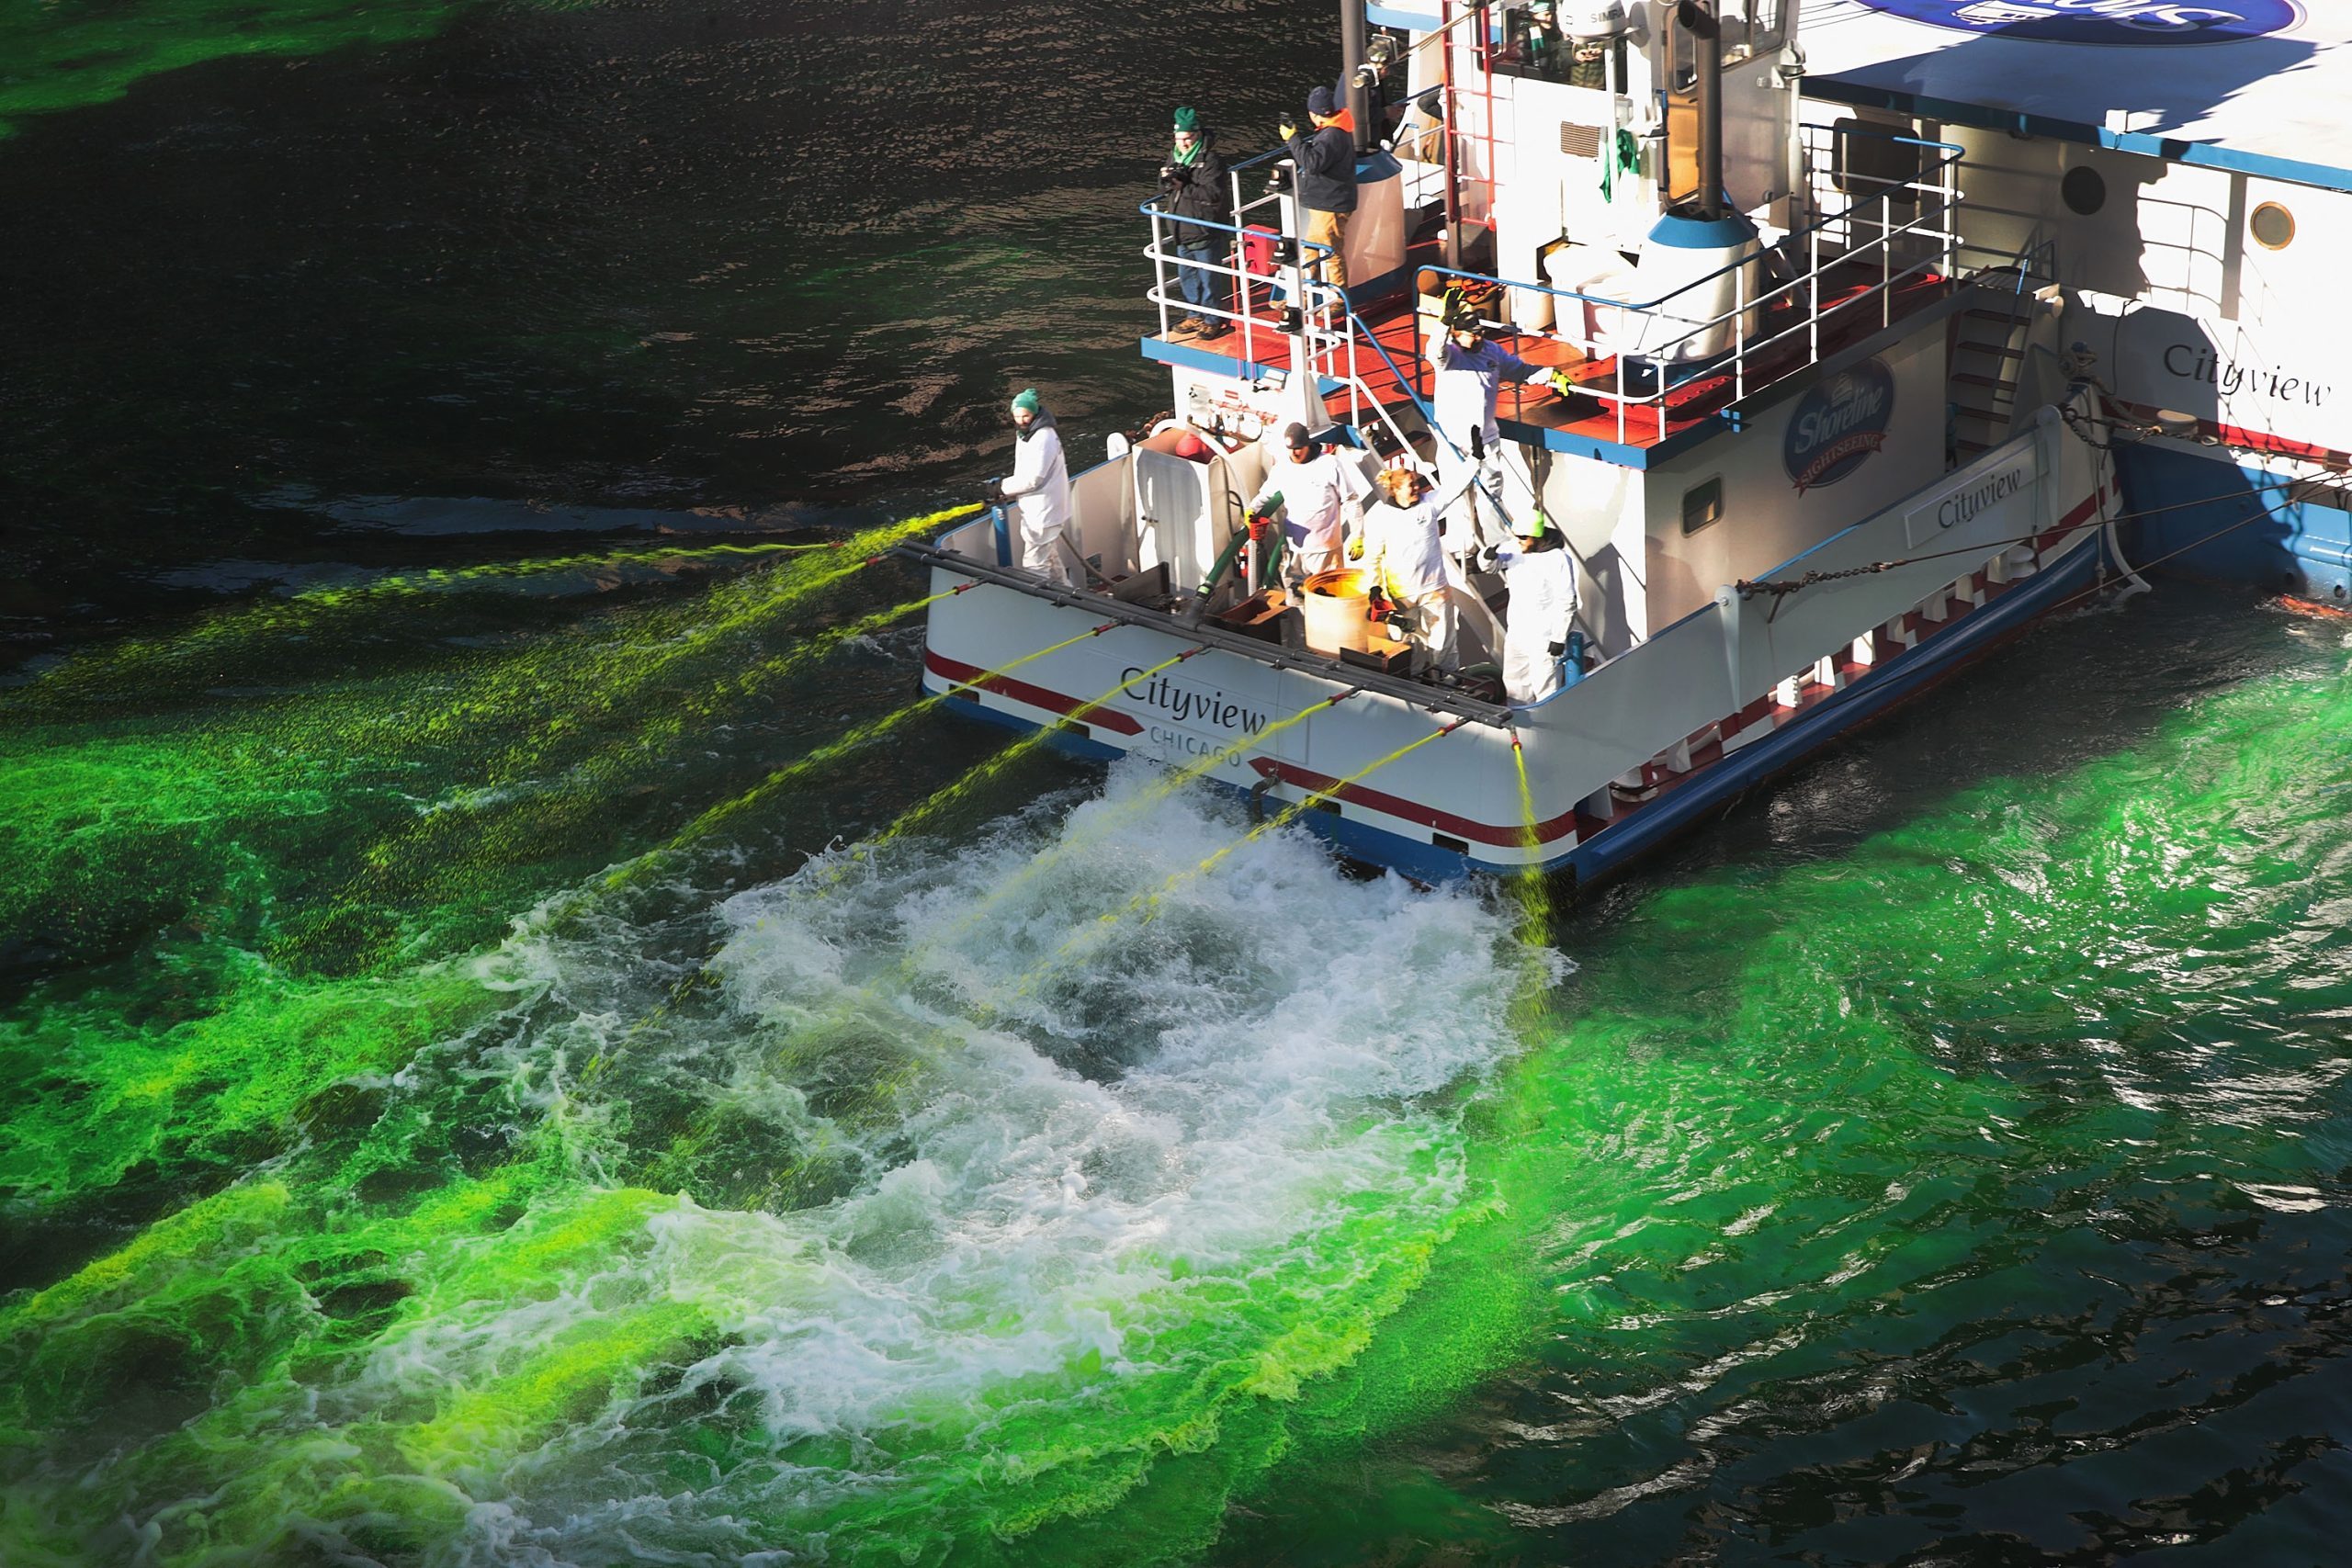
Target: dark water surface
[(450, 1118)]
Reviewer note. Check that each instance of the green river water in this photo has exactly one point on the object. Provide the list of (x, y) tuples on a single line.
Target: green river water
[(390, 1177)]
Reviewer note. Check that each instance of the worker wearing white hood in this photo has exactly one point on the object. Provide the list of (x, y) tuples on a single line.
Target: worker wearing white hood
[(1542, 580), (1039, 490)]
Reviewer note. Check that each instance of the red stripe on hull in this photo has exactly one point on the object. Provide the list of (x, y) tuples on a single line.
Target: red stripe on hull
[(969, 675)]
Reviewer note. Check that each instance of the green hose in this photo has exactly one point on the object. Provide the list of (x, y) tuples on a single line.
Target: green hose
[(1233, 548)]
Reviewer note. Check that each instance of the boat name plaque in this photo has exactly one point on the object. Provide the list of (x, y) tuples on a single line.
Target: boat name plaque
[(1185, 716), (1970, 507)]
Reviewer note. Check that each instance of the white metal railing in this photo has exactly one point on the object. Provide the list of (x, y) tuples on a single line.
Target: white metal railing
[(1659, 345), (1896, 233)]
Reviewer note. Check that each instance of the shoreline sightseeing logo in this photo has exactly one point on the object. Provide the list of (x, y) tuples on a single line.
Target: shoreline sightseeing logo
[(1836, 426), (2125, 22)]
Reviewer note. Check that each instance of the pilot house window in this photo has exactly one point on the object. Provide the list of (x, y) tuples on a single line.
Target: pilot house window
[(1761, 30)]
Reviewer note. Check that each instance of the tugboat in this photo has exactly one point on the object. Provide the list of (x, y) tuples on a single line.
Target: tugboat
[(1814, 434)]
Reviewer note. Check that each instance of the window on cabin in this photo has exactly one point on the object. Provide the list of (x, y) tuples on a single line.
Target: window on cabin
[(1702, 504), (2082, 190), (1870, 161), (2273, 226), (1749, 27)]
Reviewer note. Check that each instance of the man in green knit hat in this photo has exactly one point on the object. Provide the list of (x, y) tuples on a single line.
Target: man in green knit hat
[(1192, 185)]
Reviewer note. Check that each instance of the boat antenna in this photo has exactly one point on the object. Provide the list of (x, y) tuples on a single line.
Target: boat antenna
[(1699, 19)]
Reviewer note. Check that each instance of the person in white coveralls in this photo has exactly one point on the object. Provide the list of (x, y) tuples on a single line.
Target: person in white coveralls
[(1318, 493), (1469, 373), (1541, 575), (1039, 490), (1402, 553)]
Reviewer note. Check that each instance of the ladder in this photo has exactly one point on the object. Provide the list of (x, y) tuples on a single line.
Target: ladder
[(1988, 349)]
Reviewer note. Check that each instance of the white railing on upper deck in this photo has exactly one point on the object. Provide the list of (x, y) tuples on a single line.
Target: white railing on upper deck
[(1895, 232)]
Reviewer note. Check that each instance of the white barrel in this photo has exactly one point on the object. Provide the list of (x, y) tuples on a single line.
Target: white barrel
[(1687, 268)]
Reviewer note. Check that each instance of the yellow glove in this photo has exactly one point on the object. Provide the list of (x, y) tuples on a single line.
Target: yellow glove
[(1287, 130), (1356, 548), (1561, 384)]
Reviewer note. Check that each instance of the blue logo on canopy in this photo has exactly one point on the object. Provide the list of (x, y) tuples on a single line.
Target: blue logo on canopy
[(1836, 425), (2111, 22)]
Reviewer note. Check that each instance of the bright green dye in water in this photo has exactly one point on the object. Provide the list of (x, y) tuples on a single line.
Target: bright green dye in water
[(81, 52), (794, 1225)]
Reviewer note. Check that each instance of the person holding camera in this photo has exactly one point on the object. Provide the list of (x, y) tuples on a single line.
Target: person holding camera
[(1192, 185), (1327, 181)]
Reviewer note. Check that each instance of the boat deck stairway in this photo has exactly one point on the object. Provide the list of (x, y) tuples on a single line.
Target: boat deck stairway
[(1990, 340)]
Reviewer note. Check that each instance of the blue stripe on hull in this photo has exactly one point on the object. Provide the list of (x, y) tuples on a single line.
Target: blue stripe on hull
[(1644, 830), (1901, 677), (2196, 510)]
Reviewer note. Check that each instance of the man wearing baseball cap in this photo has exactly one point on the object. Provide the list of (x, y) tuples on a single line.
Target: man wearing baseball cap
[(1326, 181), (1317, 492)]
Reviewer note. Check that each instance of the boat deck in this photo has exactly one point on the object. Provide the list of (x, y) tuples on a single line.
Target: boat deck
[(1396, 374)]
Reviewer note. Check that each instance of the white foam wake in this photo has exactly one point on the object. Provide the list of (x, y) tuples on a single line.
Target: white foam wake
[(1085, 1207)]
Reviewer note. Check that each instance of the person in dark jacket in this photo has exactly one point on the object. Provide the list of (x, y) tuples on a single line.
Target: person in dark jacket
[(1192, 185), (1327, 181)]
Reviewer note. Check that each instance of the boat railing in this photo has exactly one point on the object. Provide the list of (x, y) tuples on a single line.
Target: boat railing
[(1287, 262), (1659, 344), (1339, 346), (1894, 230)]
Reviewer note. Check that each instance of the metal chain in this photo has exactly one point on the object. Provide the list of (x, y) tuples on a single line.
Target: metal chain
[(1748, 589)]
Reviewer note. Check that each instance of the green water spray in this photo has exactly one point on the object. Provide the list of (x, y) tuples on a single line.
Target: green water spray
[(329, 782), (208, 649), (1534, 893), (1173, 779), (441, 855), (1088, 940)]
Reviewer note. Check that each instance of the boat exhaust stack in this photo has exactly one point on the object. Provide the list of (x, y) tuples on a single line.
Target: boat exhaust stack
[(1351, 70), (1702, 253), (1699, 19)]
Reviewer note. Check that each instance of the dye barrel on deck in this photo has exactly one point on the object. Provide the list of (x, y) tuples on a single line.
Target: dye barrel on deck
[(1334, 604)]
